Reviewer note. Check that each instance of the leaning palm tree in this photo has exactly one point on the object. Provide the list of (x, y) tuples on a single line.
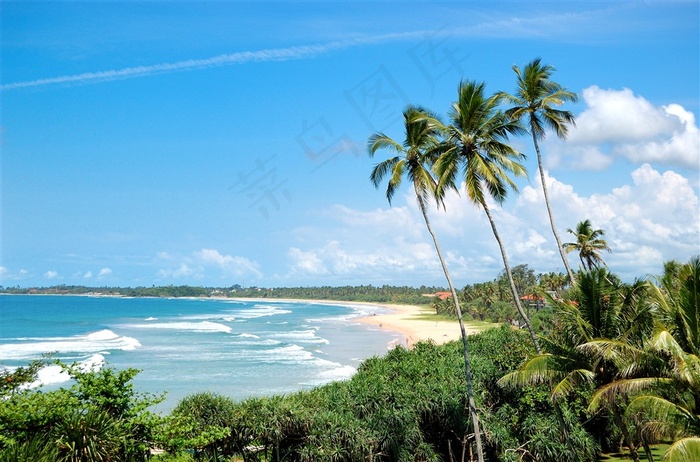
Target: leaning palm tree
[(589, 243), (477, 138), (534, 100), (415, 158)]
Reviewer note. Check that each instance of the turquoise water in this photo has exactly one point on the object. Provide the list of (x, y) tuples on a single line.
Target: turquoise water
[(236, 348)]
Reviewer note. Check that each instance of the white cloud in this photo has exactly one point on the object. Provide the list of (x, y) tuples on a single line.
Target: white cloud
[(242, 57), (373, 263), (619, 116), (51, 274), (651, 220), (382, 246), (104, 272), (203, 263), (381, 220), (618, 123), (652, 217), (87, 275), (233, 265), (7, 274), (307, 262), (581, 157), (163, 256), (181, 271)]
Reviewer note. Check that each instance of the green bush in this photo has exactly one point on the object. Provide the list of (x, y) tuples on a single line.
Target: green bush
[(100, 417)]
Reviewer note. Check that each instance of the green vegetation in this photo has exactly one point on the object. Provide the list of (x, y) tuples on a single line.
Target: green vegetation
[(617, 376), (589, 242), (101, 417)]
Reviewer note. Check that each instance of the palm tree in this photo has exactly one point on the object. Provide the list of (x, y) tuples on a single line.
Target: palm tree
[(415, 158), (593, 312), (602, 316), (661, 374), (679, 298), (477, 137), (588, 243), (534, 100)]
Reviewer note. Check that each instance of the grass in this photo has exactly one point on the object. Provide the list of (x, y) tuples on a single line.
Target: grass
[(657, 451)]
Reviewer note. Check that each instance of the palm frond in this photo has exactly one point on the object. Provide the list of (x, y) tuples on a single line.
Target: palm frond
[(664, 341), (618, 352), (381, 141), (668, 419), (381, 169), (395, 180), (623, 387), (684, 450), (571, 382), (536, 370)]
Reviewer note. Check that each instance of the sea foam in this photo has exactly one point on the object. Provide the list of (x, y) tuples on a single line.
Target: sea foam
[(204, 326), (99, 341), (259, 311), (53, 374), (303, 336)]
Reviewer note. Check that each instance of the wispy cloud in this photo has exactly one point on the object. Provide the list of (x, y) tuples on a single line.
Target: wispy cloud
[(242, 57), (513, 26)]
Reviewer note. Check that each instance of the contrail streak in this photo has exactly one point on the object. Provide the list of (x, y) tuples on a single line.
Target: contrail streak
[(274, 54)]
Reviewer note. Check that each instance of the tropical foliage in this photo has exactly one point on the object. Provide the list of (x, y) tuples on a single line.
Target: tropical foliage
[(534, 102), (589, 243), (477, 139), (361, 293), (100, 418), (634, 346)]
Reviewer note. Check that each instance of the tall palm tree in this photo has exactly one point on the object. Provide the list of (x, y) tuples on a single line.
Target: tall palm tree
[(534, 100), (589, 243), (477, 138), (415, 158)]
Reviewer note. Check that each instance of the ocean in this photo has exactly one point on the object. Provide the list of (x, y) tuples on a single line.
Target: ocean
[(235, 348)]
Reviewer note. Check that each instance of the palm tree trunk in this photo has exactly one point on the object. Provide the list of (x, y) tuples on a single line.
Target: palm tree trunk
[(470, 394), (513, 289), (549, 208)]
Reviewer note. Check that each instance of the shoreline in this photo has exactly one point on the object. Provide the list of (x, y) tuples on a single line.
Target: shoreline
[(406, 320)]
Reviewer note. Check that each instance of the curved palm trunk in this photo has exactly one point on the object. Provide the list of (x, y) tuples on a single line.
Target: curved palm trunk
[(513, 289), (549, 208), (470, 394)]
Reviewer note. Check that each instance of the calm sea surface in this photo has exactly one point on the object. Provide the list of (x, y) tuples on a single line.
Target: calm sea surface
[(182, 346)]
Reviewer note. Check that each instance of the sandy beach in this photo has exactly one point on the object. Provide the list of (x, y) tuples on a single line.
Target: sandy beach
[(411, 321), (407, 320)]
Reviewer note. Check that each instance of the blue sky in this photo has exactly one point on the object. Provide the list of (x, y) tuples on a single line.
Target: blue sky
[(225, 143)]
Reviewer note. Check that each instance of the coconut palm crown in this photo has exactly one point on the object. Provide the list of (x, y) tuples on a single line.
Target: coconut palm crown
[(477, 139), (589, 243), (534, 101)]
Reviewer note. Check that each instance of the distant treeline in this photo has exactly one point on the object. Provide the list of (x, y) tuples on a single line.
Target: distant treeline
[(365, 293), (369, 293)]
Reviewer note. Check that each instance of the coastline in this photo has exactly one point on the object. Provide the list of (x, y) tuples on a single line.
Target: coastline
[(408, 320)]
